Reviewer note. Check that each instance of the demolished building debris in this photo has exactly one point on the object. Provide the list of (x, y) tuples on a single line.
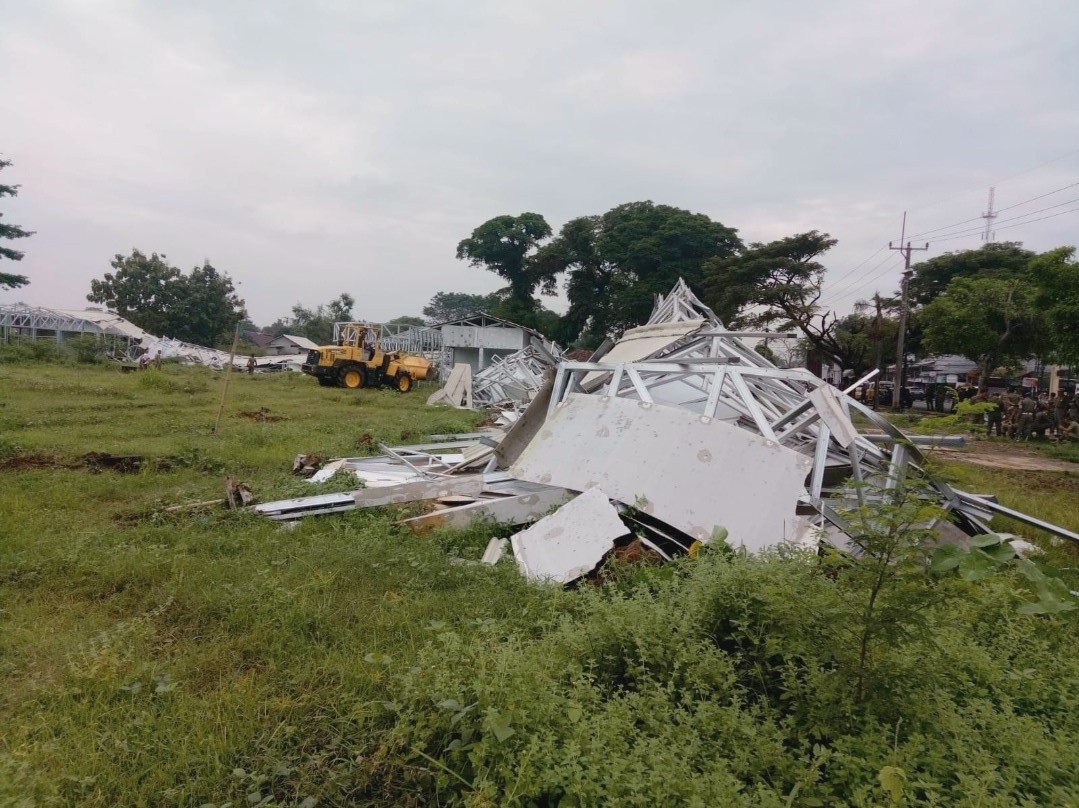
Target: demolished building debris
[(693, 434), (496, 363)]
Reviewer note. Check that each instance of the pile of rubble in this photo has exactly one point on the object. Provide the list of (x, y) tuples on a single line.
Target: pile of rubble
[(508, 384), (677, 435)]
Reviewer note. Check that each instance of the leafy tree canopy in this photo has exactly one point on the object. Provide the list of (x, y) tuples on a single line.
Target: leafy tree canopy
[(201, 308), (506, 245), (930, 278), (778, 285), (1057, 275), (407, 321), (10, 232), (618, 262), (316, 324), (446, 306), (989, 320)]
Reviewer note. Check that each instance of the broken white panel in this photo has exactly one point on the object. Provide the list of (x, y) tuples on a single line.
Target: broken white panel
[(826, 400), (457, 392), (496, 548), (513, 510), (693, 472), (571, 541), (327, 471), (641, 343)]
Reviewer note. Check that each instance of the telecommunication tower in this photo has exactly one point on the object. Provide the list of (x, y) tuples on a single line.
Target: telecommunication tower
[(989, 234)]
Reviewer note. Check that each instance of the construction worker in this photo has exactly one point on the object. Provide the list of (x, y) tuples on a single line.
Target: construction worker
[(251, 363)]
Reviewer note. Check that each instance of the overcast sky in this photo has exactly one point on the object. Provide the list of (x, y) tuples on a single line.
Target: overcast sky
[(341, 145)]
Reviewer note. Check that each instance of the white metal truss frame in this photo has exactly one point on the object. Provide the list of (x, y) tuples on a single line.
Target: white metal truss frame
[(25, 318), (678, 305), (775, 404), (523, 370)]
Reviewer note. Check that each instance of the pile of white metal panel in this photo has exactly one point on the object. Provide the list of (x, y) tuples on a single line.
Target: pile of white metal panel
[(188, 353), (680, 434)]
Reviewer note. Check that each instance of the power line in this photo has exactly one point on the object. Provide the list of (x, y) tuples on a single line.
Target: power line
[(967, 231), (1001, 210), (1001, 181), (1020, 224), (859, 266), (1035, 198), (854, 289), (891, 259), (952, 236)]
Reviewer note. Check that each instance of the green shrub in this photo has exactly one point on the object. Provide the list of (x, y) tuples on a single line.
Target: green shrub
[(87, 349), (781, 679), (32, 351)]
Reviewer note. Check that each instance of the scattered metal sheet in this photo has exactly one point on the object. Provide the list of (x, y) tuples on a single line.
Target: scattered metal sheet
[(419, 490), (496, 548), (327, 471), (826, 400), (457, 392), (373, 497), (977, 504), (306, 506), (518, 509), (570, 542), (526, 426), (692, 472)]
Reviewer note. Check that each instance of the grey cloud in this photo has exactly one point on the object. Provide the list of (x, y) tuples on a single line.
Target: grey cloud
[(341, 146)]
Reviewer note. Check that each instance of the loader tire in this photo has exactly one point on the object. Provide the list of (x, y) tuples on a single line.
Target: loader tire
[(353, 377), (403, 383)]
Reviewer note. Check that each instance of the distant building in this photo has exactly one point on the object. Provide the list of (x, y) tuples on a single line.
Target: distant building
[(289, 345), (260, 339), (477, 339)]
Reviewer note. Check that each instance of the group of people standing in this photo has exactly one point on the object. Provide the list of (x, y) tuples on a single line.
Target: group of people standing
[(1022, 417)]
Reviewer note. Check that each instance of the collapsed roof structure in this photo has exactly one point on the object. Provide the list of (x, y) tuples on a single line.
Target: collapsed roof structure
[(688, 433), (19, 321), (492, 362)]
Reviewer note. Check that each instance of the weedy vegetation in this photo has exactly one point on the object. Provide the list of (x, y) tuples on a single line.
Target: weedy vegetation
[(214, 658)]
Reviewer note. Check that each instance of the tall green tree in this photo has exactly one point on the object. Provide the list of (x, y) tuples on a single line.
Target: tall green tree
[(201, 308), (209, 307), (778, 286), (618, 262), (990, 321), (1056, 274), (316, 324), (994, 260), (506, 245), (446, 306), (144, 289), (10, 232)]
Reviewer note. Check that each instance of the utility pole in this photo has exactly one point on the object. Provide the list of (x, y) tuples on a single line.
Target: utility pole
[(904, 307), (989, 215), (878, 339)]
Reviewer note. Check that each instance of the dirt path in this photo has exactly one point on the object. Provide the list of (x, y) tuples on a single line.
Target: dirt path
[(1004, 455)]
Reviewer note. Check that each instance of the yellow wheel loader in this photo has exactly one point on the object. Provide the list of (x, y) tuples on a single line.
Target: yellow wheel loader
[(357, 360)]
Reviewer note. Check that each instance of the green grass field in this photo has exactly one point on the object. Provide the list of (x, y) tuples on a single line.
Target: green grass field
[(212, 657)]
